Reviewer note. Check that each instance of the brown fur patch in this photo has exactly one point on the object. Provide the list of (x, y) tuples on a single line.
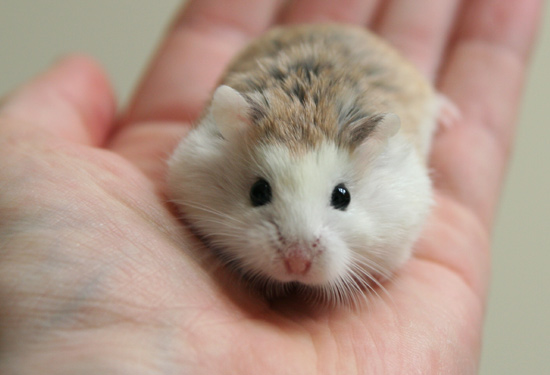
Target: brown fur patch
[(309, 84)]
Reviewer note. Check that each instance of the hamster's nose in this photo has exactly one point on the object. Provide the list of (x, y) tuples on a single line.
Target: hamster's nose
[(297, 260), (297, 265)]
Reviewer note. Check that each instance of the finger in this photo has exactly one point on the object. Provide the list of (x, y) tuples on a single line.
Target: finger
[(419, 29), (73, 100), (148, 145), (358, 12), (484, 77), (190, 61)]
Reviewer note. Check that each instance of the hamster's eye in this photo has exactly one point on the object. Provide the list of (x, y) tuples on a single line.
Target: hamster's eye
[(260, 193), (340, 197)]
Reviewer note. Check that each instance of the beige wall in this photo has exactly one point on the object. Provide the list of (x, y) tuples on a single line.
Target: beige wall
[(517, 334), (122, 34)]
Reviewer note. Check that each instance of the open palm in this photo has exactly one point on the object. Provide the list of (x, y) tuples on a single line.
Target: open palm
[(98, 276)]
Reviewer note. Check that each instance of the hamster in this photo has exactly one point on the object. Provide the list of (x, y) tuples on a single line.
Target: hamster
[(309, 166)]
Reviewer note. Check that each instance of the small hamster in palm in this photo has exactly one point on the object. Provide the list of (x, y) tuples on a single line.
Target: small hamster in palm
[(309, 165)]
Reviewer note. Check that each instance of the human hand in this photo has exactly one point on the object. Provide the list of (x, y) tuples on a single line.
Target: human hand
[(96, 274)]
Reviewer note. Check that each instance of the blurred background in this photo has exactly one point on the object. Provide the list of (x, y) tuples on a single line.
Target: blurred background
[(122, 35)]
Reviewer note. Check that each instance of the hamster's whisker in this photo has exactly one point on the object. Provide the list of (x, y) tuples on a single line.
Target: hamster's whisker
[(361, 277), (342, 291), (354, 284), (213, 211), (370, 264), (221, 233), (362, 271)]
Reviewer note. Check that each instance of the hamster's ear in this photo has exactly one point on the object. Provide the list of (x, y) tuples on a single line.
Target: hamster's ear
[(368, 136), (386, 126), (229, 111)]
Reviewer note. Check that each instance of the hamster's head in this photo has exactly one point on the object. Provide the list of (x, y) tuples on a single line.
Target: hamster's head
[(283, 204)]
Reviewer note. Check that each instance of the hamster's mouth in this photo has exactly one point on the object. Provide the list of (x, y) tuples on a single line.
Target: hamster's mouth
[(272, 285), (347, 290)]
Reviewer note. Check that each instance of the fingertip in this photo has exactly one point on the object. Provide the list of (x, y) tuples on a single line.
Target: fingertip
[(484, 75), (508, 25), (198, 46), (357, 12)]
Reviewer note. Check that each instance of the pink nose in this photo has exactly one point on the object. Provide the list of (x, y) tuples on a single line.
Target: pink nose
[(297, 262)]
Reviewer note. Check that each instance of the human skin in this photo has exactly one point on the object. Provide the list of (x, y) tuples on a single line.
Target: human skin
[(98, 276)]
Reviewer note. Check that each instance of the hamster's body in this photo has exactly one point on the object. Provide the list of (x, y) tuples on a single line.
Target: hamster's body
[(298, 172), (346, 63)]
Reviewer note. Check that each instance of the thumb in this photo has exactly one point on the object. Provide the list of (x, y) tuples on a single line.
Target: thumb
[(73, 100)]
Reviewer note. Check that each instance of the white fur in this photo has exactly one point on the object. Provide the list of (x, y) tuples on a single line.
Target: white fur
[(210, 179)]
